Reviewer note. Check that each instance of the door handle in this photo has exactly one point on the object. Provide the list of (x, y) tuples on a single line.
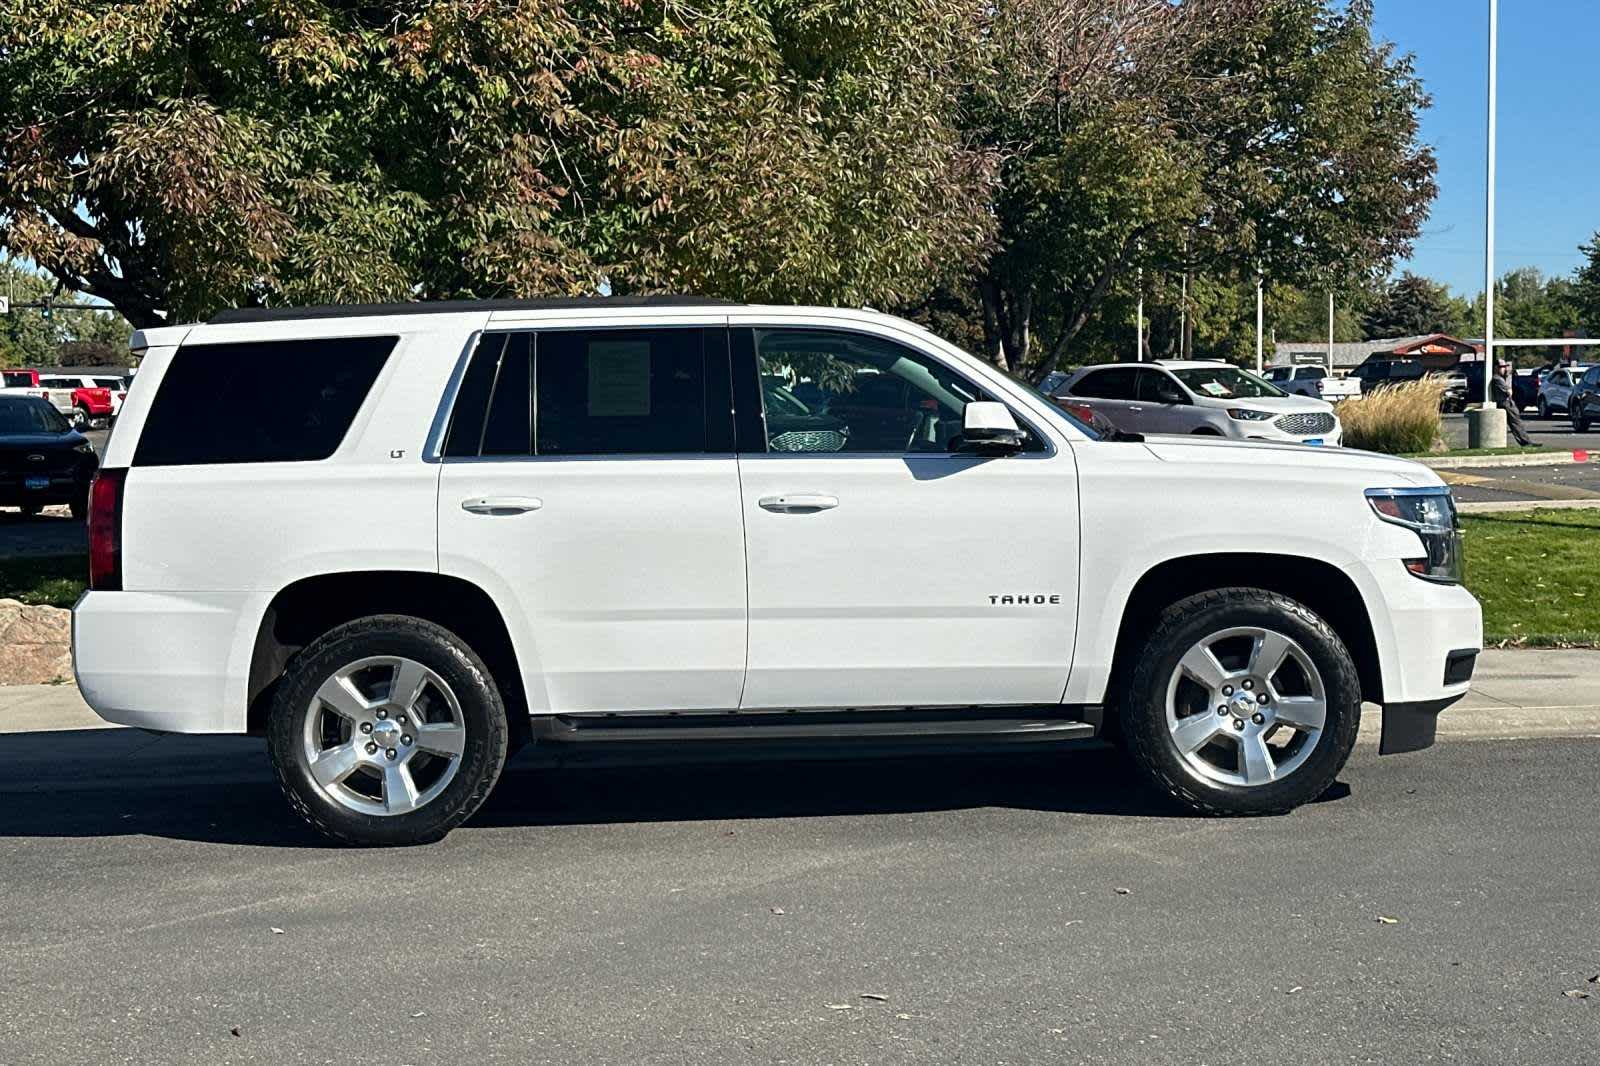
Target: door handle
[(501, 504), (798, 503)]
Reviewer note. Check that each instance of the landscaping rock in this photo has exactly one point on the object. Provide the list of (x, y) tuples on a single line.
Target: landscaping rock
[(35, 644)]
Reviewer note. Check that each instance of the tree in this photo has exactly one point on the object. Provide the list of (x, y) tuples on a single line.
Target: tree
[(176, 156), (29, 338), (1586, 285), (1229, 137), (1412, 306)]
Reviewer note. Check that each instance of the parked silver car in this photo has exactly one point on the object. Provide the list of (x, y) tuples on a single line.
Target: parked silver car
[(1211, 398)]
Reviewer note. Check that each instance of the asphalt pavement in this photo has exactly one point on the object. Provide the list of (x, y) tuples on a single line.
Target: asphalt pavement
[(161, 906)]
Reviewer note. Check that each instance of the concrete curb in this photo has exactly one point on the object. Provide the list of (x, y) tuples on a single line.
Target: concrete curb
[(1498, 506), (1486, 462)]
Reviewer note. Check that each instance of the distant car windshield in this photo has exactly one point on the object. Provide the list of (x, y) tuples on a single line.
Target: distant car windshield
[(29, 415), (1225, 383)]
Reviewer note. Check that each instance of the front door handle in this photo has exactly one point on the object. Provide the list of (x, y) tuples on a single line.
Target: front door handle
[(501, 504), (798, 503)]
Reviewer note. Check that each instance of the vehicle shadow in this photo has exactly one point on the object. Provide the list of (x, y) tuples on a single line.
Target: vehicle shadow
[(108, 783)]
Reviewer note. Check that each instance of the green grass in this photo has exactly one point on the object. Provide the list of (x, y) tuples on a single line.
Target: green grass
[(1515, 449), (55, 580), (1537, 574)]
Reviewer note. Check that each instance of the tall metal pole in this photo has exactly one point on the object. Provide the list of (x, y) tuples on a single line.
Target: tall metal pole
[(1138, 334), (1330, 331), (1183, 318), (1260, 321), (1488, 255)]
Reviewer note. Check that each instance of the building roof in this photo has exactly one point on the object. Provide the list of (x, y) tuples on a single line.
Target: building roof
[(1348, 354)]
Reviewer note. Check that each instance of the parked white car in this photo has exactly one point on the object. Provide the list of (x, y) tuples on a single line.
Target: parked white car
[(1205, 398), (1555, 389), (438, 531), (1313, 381)]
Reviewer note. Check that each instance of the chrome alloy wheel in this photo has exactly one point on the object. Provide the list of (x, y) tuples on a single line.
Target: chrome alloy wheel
[(384, 735), (1245, 707)]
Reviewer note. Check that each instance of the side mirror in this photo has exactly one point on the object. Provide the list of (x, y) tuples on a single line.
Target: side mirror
[(987, 428)]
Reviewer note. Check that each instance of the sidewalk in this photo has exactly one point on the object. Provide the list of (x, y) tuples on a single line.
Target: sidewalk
[(1522, 693)]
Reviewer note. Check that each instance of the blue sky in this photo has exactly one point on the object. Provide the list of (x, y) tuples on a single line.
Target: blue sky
[(1549, 159)]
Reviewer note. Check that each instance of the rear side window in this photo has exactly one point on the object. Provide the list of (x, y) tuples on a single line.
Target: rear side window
[(262, 402), (592, 392), (1114, 384)]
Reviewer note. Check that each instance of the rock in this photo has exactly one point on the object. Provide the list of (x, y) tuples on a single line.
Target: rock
[(35, 644)]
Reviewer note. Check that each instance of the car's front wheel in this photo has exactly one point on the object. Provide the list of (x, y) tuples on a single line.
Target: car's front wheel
[(387, 730), (1544, 407), (1244, 701)]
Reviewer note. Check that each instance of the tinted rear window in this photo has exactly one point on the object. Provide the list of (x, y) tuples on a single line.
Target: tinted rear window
[(264, 402)]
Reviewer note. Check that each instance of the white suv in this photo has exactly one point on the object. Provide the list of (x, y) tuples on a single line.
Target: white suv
[(439, 531), (1202, 397)]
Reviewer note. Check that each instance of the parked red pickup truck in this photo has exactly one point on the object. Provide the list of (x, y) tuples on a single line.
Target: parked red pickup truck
[(90, 402)]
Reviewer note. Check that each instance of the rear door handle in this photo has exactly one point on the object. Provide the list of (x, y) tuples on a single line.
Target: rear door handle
[(798, 503), (501, 504)]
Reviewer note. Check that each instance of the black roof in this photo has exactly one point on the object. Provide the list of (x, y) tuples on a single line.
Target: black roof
[(435, 307)]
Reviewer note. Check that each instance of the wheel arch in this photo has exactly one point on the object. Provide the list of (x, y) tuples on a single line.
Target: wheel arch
[(1321, 586), (305, 609)]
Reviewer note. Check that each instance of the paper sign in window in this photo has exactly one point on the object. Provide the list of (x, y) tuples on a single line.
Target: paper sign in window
[(619, 379)]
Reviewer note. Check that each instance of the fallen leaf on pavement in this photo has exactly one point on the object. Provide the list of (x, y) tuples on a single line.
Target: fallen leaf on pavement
[(275, 929), (1296, 988), (1575, 993), (235, 1031), (1388, 921), (1124, 891), (876, 996), (840, 1006), (778, 910)]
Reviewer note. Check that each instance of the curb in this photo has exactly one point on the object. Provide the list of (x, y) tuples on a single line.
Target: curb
[(1486, 462), (1498, 506)]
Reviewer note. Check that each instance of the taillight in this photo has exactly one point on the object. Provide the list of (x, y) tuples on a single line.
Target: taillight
[(105, 530)]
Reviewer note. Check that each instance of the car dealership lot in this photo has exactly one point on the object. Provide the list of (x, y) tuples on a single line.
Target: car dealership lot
[(161, 906)]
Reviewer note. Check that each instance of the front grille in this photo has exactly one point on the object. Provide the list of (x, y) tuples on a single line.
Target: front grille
[(808, 440), (1305, 425)]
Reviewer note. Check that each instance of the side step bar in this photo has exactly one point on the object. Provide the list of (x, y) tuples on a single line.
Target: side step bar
[(1012, 725)]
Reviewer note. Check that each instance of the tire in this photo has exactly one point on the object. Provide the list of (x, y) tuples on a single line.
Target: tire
[(1203, 780), (417, 795), (80, 418), (1580, 424), (1544, 408)]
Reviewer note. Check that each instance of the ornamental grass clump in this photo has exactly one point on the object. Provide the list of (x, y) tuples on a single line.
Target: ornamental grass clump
[(1397, 420)]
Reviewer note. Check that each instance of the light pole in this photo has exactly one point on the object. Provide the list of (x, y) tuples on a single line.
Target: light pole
[(1260, 320), (1138, 329), (1486, 428), (1330, 332)]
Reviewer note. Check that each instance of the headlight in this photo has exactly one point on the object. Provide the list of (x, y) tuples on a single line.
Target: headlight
[(1244, 414), (1431, 514)]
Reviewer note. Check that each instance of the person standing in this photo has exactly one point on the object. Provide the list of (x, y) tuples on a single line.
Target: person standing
[(1500, 388)]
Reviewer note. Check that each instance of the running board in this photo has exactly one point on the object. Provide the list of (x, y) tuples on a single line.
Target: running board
[(1009, 725)]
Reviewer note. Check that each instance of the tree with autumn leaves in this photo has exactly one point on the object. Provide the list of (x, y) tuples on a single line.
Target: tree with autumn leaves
[(1015, 163)]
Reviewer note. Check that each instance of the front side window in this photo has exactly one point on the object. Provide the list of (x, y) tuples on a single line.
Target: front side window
[(834, 391), (1156, 387)]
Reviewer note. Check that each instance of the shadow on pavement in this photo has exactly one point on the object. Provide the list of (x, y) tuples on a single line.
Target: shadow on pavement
[(118, 782)]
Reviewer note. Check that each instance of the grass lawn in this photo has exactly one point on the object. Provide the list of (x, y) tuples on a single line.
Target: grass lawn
[(1537, 574), (1453, 453), (53, 580)]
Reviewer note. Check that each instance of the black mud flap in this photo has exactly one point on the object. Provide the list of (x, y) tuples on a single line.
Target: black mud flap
[(1411, 726)]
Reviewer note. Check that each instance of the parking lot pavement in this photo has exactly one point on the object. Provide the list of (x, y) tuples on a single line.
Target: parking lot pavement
[(162, 906), (1570, 481), (53, 532), (1549, 432)]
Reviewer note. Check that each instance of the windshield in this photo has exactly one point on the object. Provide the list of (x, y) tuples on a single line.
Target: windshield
[(1225, 383), (30, 416)]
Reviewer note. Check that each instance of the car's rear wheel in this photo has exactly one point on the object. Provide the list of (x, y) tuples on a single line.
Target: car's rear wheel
[(1580, 424), (1243, 702), (1544, 407), (387, 730)]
